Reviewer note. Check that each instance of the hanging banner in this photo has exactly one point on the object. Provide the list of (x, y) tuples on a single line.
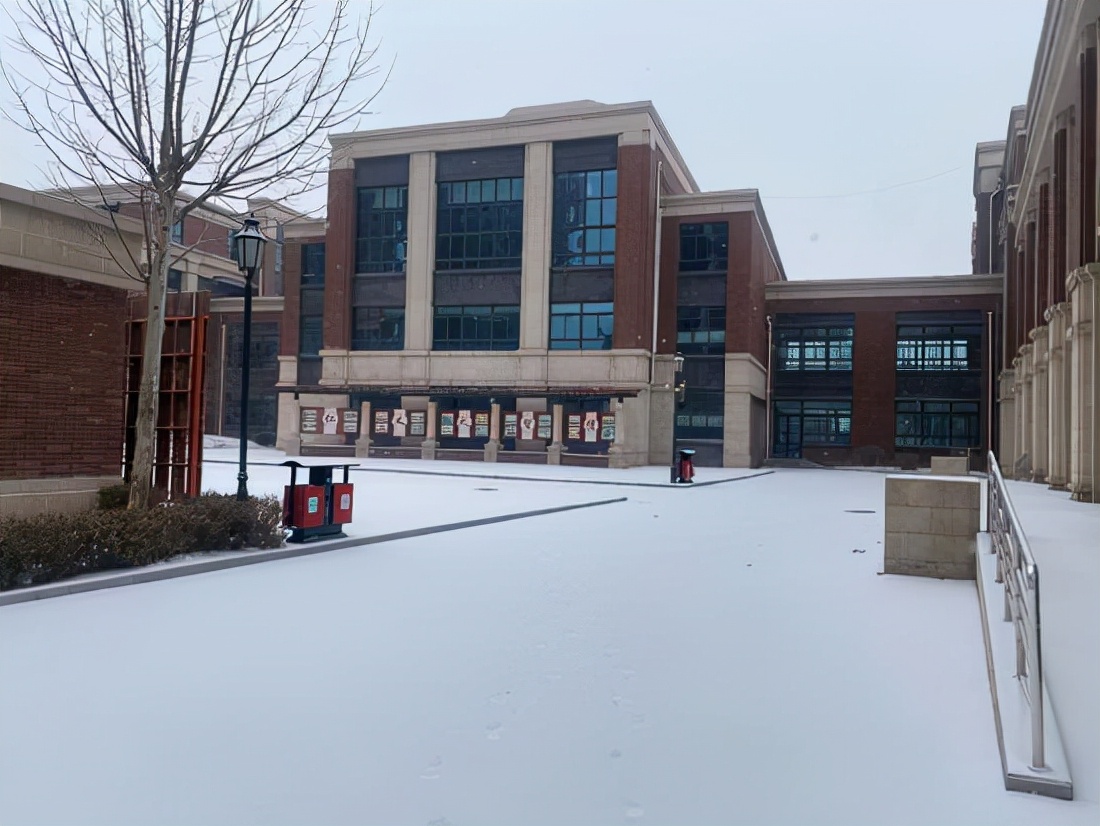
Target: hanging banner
[(446, 424), (330, 420), (465, 424), (608, 432), (527, 425), (400, 422), (481, 425), (309, 419), (417, 422), (591, 427), (573, 432), (510, 426), (546, 426)]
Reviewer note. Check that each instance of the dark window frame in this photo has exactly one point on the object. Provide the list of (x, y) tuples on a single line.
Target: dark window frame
[(369, 328), (472, 233), (588, 325), (585, 217), (704, 246), (939, 348), (701, 329), (479, 327), (815, 349), (381, 231), (944, 423), (313, 264), (832, 425)]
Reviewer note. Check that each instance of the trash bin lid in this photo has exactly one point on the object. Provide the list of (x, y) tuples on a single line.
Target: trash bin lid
[(320, 462), (686, 451)]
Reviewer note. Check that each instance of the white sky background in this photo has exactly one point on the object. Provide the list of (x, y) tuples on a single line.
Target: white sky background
[(797, 98)]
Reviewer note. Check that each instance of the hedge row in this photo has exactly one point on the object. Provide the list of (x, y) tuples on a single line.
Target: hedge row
[(51, 547)]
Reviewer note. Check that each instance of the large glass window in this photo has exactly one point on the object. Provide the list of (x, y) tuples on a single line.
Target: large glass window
[(925, 423), (585, 207), (313, 264), (701, 329), (939, 348), (381, 235), (378, 328), (799, 423), (704, 247), (585, 326), (815, 349), (476, 328), (479, 224)]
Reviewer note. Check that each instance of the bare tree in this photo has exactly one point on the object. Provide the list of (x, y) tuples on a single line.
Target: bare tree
[(179, 103)]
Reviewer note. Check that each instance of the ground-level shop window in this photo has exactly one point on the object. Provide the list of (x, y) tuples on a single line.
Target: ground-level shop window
[(799, 423), (939, 423)]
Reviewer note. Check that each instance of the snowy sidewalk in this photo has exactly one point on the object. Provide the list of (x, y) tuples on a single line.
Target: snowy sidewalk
[(1065, 540), (729, 656)]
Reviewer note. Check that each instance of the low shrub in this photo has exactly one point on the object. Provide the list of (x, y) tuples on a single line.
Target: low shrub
[(113, 497), (50, 547)]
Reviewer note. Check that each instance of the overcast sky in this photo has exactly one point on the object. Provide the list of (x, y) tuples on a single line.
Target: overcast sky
[(856, 119)]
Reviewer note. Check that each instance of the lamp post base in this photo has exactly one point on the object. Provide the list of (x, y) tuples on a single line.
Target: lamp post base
[(242, 486)]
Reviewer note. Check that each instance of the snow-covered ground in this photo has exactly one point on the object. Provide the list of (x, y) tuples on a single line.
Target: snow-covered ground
[(726, 654)]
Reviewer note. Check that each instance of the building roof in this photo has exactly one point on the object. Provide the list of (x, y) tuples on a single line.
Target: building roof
[(574, 120), (889, 287)]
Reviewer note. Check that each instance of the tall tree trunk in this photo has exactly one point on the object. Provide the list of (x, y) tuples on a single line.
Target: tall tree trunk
[(145, 424)]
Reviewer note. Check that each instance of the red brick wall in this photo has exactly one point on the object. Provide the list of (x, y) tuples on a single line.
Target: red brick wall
[(62, 377), (339, 259), (634, 248)]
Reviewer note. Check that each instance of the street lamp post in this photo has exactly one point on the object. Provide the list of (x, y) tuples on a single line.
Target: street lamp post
[(249, 247), (678, 388)]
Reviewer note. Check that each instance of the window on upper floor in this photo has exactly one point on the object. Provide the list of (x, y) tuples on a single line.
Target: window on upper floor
[(941, 348), (585, 326), (176, 233), (704, 247), (479, 224), (381, 232), (175, 281), (701, 330), (378, 328), (585, 211), (313, 264), (814, 349), (476, 328)]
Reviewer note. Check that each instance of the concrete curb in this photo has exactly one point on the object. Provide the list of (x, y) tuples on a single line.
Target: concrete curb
[(502, 478), (157, 573)]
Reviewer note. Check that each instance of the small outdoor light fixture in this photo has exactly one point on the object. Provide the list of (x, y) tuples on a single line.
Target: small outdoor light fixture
[(248, 245)]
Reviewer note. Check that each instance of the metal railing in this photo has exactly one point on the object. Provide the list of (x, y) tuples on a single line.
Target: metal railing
[(1018, 573)]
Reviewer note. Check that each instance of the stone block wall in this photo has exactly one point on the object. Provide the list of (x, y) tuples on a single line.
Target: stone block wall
[(931, 526)]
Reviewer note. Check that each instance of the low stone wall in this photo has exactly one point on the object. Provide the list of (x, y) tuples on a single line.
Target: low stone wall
[(932, 525), (950, 466), (30, 497)]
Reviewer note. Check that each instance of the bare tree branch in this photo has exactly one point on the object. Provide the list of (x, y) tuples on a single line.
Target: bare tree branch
[(180, 103)]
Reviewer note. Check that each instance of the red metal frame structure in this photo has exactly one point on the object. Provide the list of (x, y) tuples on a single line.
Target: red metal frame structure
[(177, 463)]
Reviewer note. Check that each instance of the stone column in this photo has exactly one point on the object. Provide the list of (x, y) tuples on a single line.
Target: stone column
[(362, 444), (420, 262), (492, 447), (1006, 450), (1083, 297), (1057, 410), (538, 200), (288, 438), (1040, 401), (1024, 404), (553, 452), (745, 378), (428, 446)]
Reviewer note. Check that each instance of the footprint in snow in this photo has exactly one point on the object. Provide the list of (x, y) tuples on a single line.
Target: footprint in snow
[(494, 730), (431, 771)]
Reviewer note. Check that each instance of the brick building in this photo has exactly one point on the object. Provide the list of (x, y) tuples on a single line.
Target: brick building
[(883, 371), (1046, 234), (62, 353), (552, 263)]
